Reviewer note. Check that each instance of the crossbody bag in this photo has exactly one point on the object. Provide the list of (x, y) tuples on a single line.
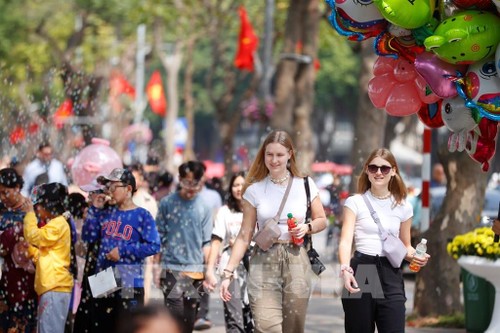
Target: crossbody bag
[(270, 232), (393, 247)]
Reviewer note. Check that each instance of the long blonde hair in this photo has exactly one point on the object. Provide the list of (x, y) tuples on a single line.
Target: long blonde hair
[(258, 169), (396, 185)]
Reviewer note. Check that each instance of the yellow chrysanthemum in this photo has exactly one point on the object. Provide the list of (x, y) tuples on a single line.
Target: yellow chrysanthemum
[(477, 242)]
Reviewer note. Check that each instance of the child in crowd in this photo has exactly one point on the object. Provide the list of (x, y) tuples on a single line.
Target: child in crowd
[(47, 229)]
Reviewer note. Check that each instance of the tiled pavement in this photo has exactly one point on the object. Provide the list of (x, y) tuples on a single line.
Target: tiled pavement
[(325, 314)]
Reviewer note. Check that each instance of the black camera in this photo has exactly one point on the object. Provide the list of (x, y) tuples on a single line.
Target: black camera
[(316, 265)]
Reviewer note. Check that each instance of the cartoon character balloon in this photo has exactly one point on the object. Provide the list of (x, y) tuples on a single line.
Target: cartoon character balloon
[(406, 14), (93, 160), (473, 4), (481, 147), (497, 4), (466, 37), (482, 86), (497, 58), (460, 120), (430, 114), (359, 20), (396, 42)]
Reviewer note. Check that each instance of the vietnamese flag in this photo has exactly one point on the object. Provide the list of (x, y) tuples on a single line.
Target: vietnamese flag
[(64, 111), (156, 96), (247, 44), (17, 135), (118, 85)]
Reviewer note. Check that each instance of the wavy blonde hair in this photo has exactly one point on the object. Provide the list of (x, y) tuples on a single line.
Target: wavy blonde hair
[(258, 169), (396, 185)]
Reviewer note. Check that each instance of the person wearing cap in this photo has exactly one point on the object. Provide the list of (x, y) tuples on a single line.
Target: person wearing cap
[(88, 305), (127, 234), (17, 284), (49, 230), (185, 225)]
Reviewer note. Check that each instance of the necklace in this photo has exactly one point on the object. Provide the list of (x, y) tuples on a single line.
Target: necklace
[(280, 180), (381, 197)]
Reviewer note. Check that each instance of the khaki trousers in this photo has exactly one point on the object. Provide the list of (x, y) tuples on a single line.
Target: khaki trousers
[(279, 287)]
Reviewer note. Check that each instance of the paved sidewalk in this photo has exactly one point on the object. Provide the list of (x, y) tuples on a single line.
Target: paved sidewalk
[(325, 313)]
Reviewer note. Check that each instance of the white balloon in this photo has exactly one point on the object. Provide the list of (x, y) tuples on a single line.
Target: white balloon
[(458, 119)]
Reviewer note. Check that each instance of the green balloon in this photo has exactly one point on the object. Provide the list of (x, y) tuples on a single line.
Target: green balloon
[(409, 14), (466, 37)]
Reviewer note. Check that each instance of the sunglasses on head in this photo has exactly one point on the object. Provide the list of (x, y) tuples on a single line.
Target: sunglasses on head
[(384, 169)]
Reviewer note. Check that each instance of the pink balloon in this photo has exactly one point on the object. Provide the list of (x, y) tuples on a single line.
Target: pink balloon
[(379, 89), (434, 72), (404, 71), (384, 65), (403, 101), (95, 159)]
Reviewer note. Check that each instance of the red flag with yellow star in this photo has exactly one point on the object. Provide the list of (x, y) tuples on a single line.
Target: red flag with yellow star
[(247, 44), (156, 96), (64, 111)]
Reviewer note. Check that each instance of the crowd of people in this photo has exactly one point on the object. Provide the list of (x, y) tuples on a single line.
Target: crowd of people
[(132, 230)]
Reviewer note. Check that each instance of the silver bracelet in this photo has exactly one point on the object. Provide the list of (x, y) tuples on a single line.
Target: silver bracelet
[(346, 268)]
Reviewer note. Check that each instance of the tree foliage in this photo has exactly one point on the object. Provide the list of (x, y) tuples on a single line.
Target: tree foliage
[(92, 36)]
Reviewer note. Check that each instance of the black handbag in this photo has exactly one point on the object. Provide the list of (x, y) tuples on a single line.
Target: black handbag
[(316, 265)]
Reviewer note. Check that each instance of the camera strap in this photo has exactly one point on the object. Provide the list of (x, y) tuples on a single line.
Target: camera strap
[(308, 238)]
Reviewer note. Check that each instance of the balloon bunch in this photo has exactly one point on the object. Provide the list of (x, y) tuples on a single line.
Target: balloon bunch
[(439, 60)]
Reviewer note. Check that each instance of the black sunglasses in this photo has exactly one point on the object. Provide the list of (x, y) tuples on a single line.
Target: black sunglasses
[(384, 169)]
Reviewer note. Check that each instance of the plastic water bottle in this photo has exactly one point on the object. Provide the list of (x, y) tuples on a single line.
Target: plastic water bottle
[(421, 249), (292, 223)]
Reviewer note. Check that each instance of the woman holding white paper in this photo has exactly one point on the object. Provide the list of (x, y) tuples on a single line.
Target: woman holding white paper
[(126, 235)]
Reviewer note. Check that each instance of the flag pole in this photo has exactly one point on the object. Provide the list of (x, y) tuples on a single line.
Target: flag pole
[(139, 73), (426, 177), (267, 66)]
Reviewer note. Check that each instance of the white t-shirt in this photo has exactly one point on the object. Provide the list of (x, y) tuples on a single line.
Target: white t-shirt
[(55, 171), (366, 232), (227, 224), (266, 197)]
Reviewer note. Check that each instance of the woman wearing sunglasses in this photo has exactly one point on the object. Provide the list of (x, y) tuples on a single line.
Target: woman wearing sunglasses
[(379, 297)]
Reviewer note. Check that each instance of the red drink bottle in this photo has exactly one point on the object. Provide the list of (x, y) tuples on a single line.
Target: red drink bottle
[(292, 223)]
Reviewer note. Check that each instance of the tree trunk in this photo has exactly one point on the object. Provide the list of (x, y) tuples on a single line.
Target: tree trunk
[(437, 288), (370, 122), (295, 78)]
